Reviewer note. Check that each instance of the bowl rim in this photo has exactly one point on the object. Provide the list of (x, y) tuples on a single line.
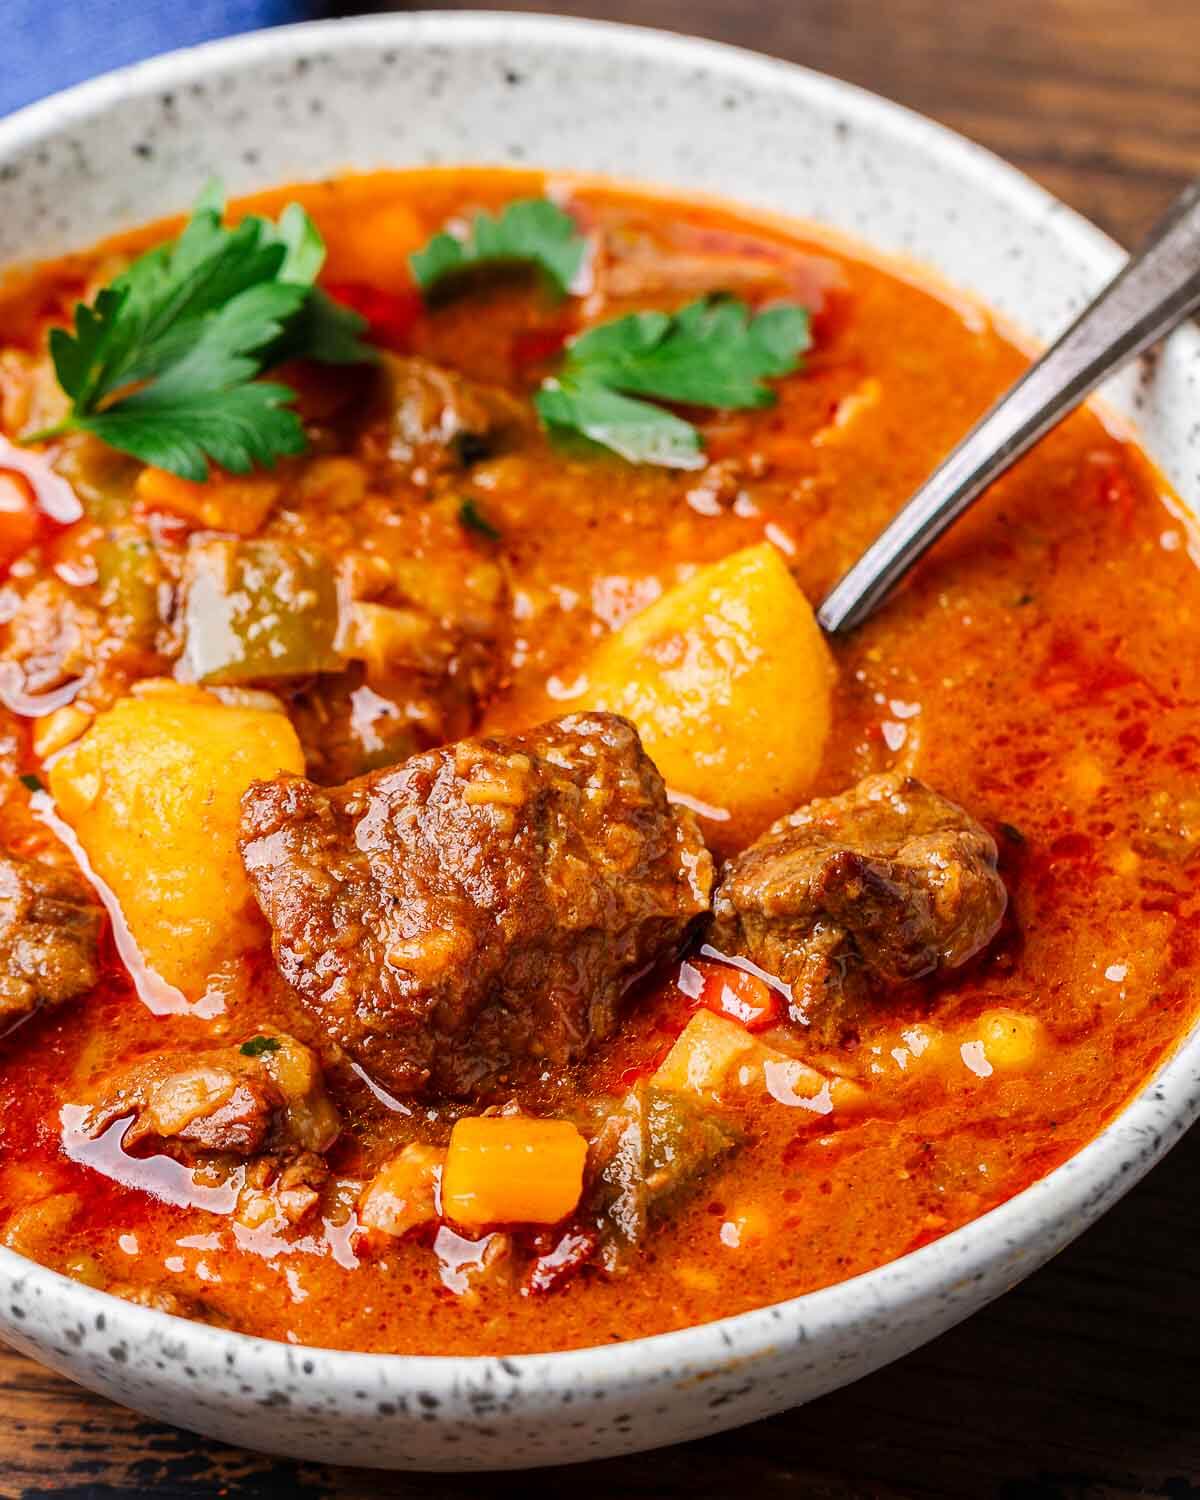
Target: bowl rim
[(1054, 1208)]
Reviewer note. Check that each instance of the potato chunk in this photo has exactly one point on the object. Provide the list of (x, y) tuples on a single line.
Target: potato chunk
[(704, 1052), (728, 680), (714, 1055), (1012, 1042), (152, 791)]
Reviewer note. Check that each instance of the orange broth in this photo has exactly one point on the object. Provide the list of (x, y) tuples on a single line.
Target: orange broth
[(1040, 668)]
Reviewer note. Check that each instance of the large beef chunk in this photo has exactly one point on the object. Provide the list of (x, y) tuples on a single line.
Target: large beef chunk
[(481, 906), (883, 884), (49, 929), (266, 1095)]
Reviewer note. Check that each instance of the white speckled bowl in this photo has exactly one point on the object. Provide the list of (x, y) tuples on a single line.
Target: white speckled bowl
[(305, 102)]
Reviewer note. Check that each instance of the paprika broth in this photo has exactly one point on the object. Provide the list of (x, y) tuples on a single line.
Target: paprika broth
[(452, 898)]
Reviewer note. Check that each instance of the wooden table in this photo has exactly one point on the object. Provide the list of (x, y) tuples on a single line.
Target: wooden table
[(1080, 1385)]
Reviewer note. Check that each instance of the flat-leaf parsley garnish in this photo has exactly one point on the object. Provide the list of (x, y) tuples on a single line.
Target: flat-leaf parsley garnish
[(163, 364), (257, 1045), (471, 518), (710, 353), (531, 231)]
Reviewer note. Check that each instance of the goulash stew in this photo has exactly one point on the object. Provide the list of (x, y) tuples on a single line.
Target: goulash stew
[(452, 897)]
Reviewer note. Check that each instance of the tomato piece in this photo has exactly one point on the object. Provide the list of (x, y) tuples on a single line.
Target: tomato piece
[(19, 518), (391, 316), (557, 1265), (535, 346), (738, 994)]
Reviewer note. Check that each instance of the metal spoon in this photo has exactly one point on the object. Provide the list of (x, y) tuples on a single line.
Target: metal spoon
[(1154, 292)]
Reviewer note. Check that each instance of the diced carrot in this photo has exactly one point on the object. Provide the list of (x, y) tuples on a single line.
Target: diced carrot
[(736, 993), (224, 502), (507, 1169), (403, 1193), (18, 516), (373, 245)]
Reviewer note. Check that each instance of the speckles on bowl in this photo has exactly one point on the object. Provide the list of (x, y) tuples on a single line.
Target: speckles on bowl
[(398, 90)]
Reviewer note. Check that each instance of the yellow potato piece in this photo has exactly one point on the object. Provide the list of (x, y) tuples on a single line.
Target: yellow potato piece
[(729, 681), (1011, 1040), (715, 1055), (704, 1052), (152, 791)]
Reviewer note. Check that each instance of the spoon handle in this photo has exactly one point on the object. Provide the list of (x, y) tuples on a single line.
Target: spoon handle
[(1156, 290)]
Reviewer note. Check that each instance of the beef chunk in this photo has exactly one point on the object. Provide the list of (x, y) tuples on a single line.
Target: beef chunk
[(883, 884), (49, 929), (52, 636), (640, 258), (480, 906), (165, 1301), (281, 1189), (267, 1095), (431, 419)]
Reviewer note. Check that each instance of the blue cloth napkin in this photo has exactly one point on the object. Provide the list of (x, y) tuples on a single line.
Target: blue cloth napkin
[(48, 44)]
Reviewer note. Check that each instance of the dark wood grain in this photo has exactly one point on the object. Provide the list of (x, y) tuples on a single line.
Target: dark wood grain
[(1081, 1384), (1097, 99)]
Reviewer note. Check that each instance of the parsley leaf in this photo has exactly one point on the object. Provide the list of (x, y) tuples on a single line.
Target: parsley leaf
[(31, 782), (238, 428), (304, 249), (639, 432), (710, 353), (164, 363), (257, 1045), (531, 230), (471, 518)]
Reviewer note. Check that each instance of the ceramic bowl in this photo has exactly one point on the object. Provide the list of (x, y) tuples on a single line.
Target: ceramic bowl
[(429, 88)]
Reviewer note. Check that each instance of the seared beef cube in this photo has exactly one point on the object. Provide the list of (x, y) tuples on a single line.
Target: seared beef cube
[(268, 1095), (482, 906), (433, 419), (881, 885), (52, 635), (49, 929)]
